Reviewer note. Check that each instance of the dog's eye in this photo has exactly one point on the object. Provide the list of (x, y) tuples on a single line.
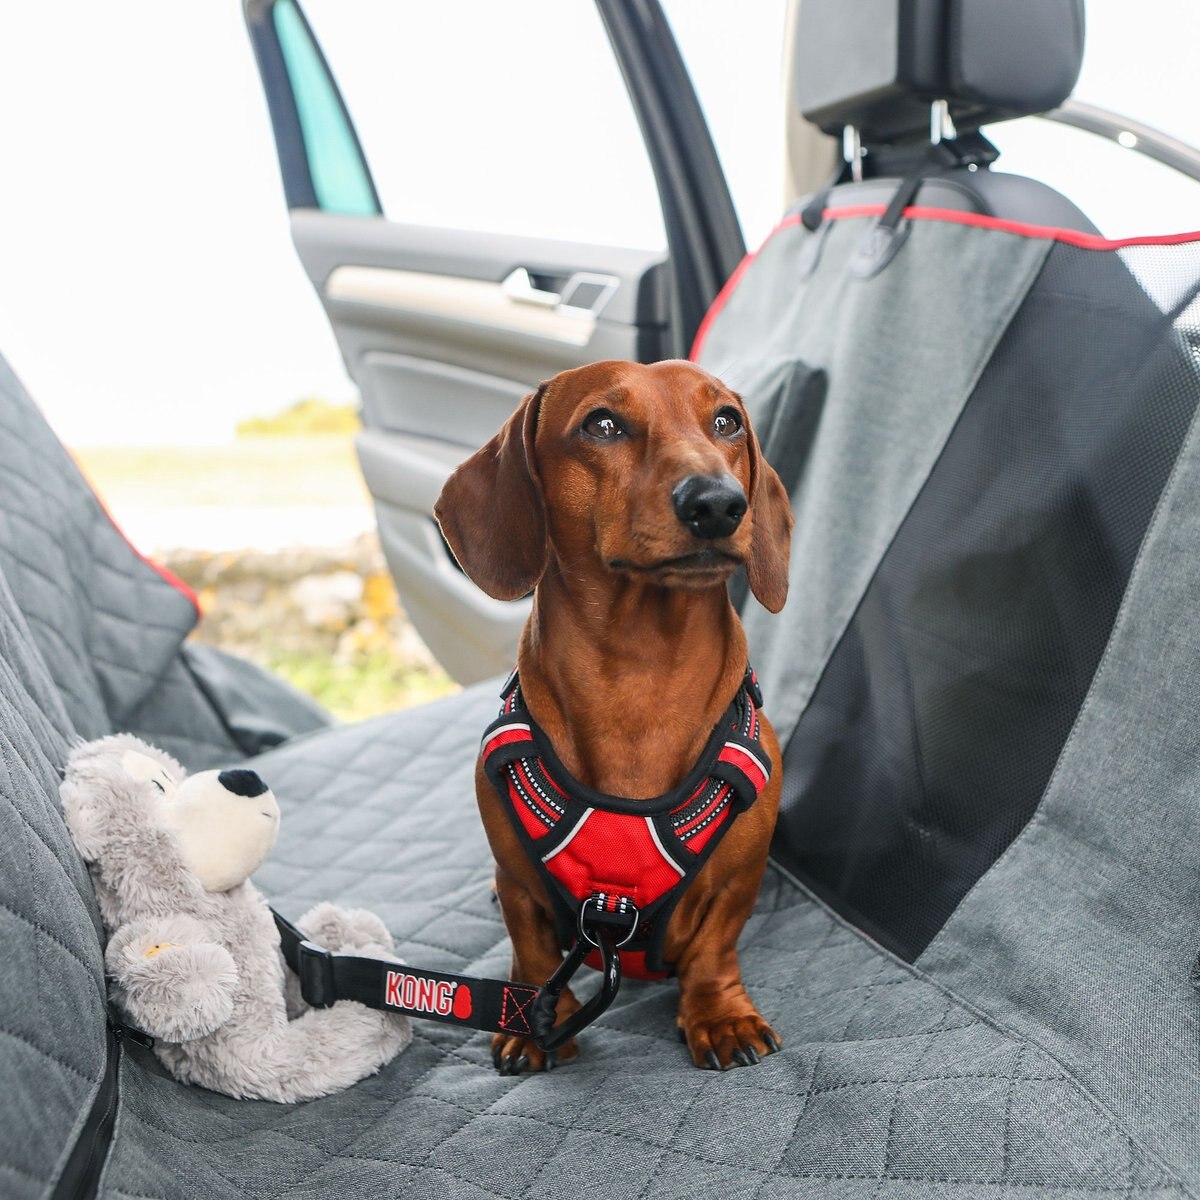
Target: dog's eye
[(159, 786), (602, 425), (727, 422)]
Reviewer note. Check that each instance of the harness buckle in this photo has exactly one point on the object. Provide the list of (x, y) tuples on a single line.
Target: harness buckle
[(314, 969)]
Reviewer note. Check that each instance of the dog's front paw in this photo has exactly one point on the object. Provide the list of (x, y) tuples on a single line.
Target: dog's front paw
[(728, 1039), (514, 1055)]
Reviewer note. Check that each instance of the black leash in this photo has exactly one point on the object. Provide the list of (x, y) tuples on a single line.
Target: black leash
[(493, 1005)]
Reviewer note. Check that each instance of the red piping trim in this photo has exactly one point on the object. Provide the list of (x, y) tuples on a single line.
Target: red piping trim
[(164, 573), (1071, 237), (723, 295)]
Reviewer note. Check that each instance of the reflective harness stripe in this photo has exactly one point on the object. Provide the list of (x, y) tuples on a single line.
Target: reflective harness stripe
[(628, 861)]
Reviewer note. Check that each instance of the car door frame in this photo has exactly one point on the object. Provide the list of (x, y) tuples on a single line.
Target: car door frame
[(704, 237)]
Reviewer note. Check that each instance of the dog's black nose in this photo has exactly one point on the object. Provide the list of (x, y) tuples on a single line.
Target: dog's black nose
[(711, 506), (242, 782)]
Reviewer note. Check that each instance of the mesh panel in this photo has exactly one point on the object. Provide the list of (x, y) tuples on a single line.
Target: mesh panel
[(940, 714)]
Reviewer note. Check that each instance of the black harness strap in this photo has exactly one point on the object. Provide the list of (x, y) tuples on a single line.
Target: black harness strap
[(495, 1005)]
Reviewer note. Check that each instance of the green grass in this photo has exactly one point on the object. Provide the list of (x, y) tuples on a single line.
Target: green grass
[(364, 687), (304, 418)]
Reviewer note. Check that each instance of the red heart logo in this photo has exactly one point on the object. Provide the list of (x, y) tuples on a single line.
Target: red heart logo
[(462, 1002)]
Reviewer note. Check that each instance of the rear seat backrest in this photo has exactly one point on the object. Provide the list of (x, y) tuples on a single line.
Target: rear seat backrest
[(52, 1007), (107, 623), (977, 427)]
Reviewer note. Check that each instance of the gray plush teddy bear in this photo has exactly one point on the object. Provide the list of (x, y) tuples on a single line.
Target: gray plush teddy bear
[(194, 953)]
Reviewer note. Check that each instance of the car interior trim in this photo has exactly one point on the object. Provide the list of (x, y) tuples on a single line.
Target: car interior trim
[(473, 301)]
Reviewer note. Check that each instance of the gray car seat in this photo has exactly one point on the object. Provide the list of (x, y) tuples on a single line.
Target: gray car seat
[(989, 441)]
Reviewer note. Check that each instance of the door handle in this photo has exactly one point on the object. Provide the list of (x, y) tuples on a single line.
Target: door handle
[(518, 287)]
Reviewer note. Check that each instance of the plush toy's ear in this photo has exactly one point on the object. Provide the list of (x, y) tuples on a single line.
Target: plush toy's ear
[(771, 545), (491, 511), (148, 770), (100, 796)]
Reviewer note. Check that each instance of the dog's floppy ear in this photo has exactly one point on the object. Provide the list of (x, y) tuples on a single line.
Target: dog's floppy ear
[(491, 512), (771, 544)]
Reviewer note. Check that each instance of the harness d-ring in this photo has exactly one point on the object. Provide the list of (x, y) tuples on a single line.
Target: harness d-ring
[(546, 1034), (595, 901)]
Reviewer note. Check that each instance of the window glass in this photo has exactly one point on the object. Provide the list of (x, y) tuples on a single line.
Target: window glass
[(734, 54), (339, 180), (1139, 60), (1123, 193), (1132, 67), (506, 118)]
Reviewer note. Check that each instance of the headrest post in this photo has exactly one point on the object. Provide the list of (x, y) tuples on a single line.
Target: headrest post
[(941, 124), (852, 152)]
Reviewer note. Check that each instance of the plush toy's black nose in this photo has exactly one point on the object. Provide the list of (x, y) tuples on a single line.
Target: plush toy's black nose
[(711, 506), (242, 782)]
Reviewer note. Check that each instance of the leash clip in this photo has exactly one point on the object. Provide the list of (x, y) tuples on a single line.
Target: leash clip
[(596, 929)]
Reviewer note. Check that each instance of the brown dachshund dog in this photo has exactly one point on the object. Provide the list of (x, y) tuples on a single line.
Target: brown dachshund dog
[(624, 496)]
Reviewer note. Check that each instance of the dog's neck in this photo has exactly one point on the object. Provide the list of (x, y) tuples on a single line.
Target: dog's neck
[(628, 679)]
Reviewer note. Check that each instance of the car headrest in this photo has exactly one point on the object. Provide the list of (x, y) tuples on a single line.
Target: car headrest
[(879, 64)]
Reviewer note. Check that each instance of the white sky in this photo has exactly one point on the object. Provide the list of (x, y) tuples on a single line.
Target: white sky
[(148, 288)]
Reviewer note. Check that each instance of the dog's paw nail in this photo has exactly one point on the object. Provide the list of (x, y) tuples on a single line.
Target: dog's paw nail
[(682, 1034), (521, 1064), (739, 1057), (508, 1065), (772, 1044), (712, 1061), (751, 1054), (551, 1061), (496, 1059)]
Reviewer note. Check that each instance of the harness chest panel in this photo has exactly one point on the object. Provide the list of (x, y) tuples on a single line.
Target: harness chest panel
[(631, 860)]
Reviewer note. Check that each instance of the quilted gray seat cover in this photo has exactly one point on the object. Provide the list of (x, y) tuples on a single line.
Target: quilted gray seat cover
[(108, 625), (888, 1085), (1047, 1043)]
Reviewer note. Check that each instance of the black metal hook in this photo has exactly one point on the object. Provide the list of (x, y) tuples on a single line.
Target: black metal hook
[(546, 1034)]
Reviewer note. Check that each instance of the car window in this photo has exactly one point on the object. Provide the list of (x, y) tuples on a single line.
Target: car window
[(1124, 193), (505, 118), (339, 178), (1130, 67), (1139, 60), (734, 54)]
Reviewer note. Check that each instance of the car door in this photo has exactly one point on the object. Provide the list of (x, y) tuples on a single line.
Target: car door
[(445, 326)]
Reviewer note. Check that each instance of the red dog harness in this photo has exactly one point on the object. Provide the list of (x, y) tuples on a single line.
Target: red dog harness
[(624, 863)]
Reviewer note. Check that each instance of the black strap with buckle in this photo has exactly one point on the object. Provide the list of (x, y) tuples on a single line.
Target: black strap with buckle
[(326, 976)]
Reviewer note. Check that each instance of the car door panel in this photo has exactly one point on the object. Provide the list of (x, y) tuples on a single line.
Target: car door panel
[(444, 330), (442, 350)]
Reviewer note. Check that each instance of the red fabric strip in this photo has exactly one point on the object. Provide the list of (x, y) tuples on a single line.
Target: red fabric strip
[(1071, 237)]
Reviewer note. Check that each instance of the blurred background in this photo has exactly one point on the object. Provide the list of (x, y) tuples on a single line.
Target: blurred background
[(152, 302)]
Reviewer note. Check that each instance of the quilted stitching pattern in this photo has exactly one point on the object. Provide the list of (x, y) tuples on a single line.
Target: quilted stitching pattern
[(887, 1085), (107, 625), (51, 985)]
